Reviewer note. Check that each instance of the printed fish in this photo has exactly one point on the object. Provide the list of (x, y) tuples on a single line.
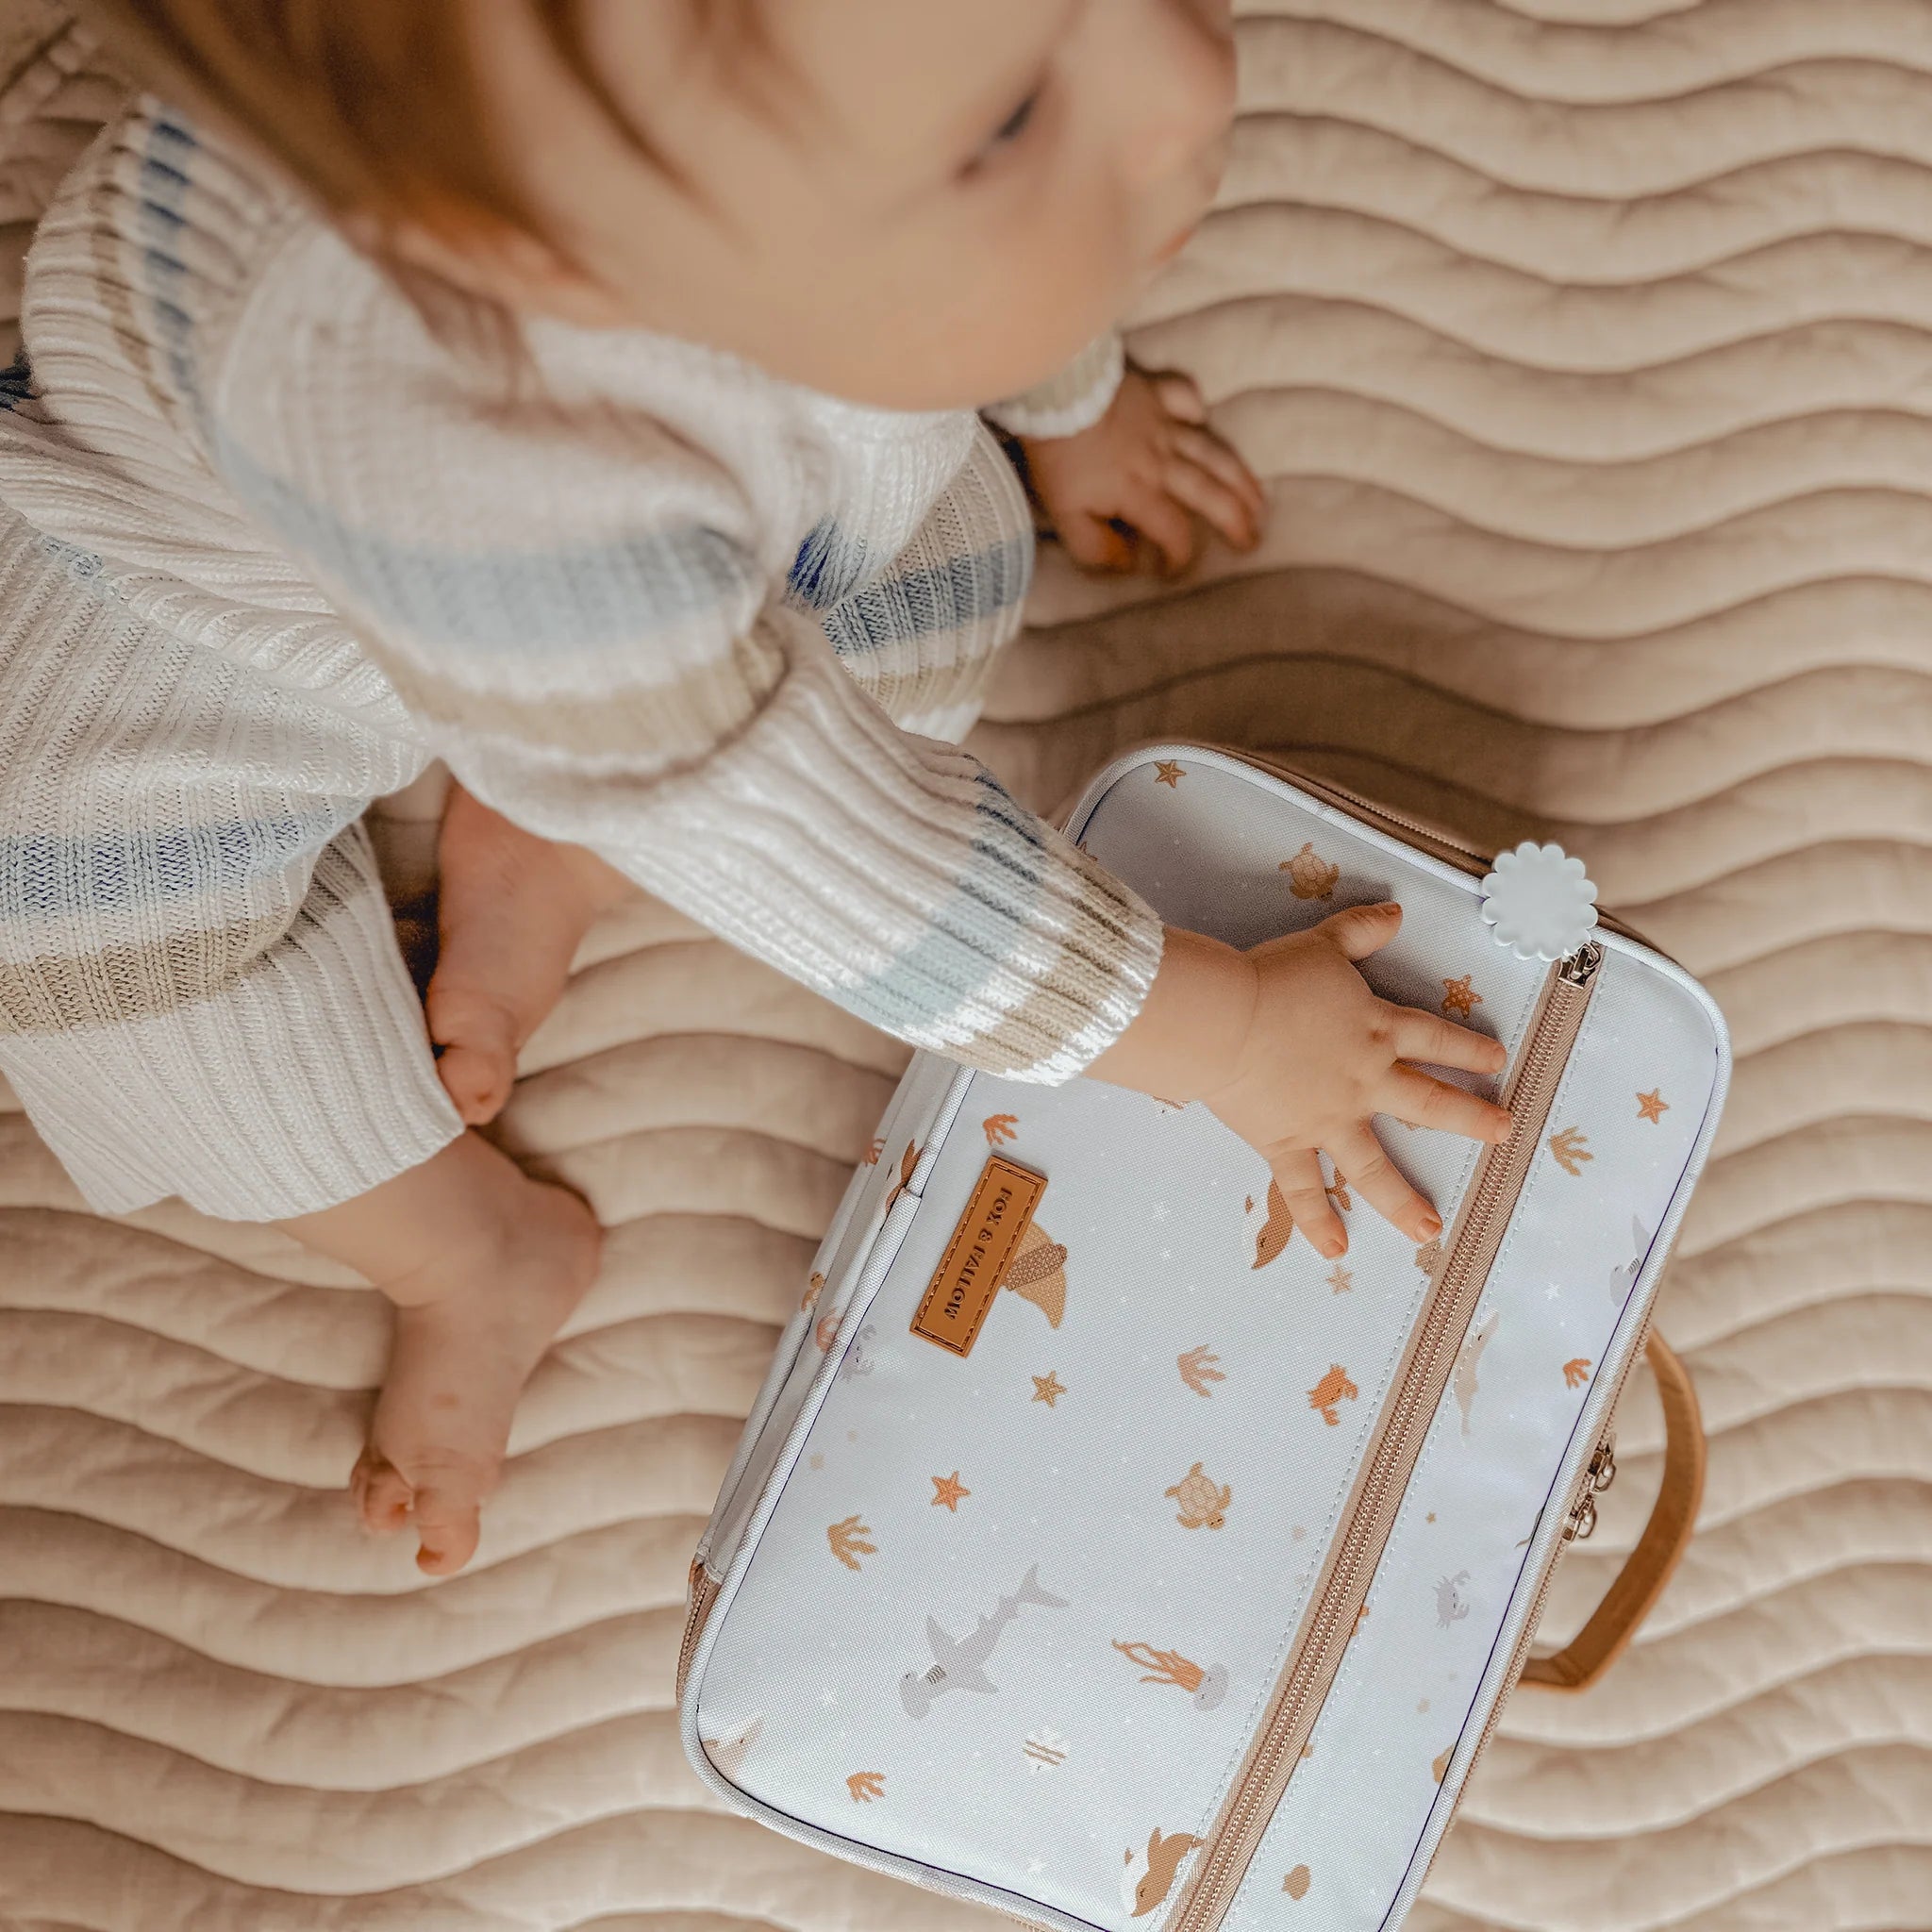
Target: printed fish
[(1148, 1876), (959, 1664), (1466, 1364)]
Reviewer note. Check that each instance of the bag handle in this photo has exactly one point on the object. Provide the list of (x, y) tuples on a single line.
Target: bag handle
[(1665, 1537)]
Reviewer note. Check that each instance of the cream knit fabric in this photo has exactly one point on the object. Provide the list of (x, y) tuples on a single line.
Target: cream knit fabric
[(269, 546)]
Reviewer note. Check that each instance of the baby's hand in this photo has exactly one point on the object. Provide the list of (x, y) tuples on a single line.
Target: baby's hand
[(1151, 464), (1287, 1045)]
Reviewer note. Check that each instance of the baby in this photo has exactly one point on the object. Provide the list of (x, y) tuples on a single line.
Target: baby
[(584, 396)]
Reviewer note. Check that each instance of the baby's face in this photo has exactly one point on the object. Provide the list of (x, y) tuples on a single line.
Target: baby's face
[(920, 204)]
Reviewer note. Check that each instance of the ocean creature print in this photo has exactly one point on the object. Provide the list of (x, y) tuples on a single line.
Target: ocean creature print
[(1571, 1149), (865, 1786), (874, 1147), (1045, 1751), (1467, 1359), (1197, 1369), (813, 1289), (1625, 1278), (1341, 1279), (1308, 877), (1297, 1882), (1048, 1388), (1459, 998), (848, 1541), (1438, 1765), (1167, 771), (1149, 1875), (1039, 1274), (1337, 1192), (860, 1360), (1452, 1600), (729, 1752), (948, 1490), (1330, 1393), (1576, 1373), (907, 1162), (1203, 1501), (1276, 1225), (1207, 1687), (1000, 1127), (1428, 1258), (1652, 1107), (960, 1664), (826, 1332)]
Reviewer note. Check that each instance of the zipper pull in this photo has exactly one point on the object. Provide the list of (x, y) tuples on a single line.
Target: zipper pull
[(1601, 1473), (1579, 968)]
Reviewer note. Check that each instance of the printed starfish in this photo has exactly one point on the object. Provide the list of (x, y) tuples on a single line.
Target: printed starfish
[(1000, 1127), (1166, 771), (865, 1786), (948, 1489), (1048, 1388), (1652, 1105), (1458, 996), (1571, 1149), (1341, 1279)]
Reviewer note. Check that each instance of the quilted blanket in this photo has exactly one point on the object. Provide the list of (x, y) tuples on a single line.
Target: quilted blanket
[(1587, 348)]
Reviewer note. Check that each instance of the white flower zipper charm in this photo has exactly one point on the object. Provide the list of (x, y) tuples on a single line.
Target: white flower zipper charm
[(1537, 901)]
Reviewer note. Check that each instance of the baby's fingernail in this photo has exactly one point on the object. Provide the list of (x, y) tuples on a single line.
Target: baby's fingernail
[(1432, 1226)]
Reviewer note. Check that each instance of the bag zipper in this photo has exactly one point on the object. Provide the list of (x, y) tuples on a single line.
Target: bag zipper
[(704, 1590), (1310, 1673)]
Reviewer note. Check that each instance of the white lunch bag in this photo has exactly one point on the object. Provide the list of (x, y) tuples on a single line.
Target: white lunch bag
[(1099, 1553)]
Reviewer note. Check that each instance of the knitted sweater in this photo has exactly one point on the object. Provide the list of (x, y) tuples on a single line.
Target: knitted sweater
[(269, 545)]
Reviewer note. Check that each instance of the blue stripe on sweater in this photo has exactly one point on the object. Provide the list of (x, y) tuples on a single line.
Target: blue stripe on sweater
[(47, 877), (981, 925), (936, 598)]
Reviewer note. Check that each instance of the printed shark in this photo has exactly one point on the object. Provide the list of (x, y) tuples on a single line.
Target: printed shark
[(960, 1664)]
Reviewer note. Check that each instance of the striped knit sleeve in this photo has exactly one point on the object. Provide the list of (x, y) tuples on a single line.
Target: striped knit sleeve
[(1074, 399), (581, 611)]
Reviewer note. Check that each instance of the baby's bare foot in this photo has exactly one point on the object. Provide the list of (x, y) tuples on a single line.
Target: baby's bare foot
[(469, 1329), (512, 908)]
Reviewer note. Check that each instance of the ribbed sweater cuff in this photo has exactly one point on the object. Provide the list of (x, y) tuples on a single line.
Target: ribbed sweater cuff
[(1073, 400), (898, 877), (308, 1080)]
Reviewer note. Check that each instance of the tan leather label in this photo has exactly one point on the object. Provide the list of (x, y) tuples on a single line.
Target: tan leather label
[(980, 1252)]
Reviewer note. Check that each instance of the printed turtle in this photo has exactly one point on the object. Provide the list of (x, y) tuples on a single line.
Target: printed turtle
[(1308, 877), (1203, 1501)]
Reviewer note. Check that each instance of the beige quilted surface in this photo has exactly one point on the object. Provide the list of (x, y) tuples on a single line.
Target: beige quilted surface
[(1588, 347)]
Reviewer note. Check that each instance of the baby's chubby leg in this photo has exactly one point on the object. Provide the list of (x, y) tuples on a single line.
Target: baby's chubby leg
[(512, 908), (483, 1265)]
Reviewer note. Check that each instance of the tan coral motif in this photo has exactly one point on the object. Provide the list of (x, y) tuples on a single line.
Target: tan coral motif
[(1333, 1389), (1206, 1687), (1571, 1149), (1576, 1373), (1197, 1369), (1150, 1875), (1296, 1883), (1000, 1127), (1460, 996), (1203, 1501), (1308, 877), (1039, 1274), (1276, 1229), (848, 1541), (865, 1786)]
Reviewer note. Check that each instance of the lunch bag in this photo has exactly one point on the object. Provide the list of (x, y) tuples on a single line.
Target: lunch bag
[(1098, 1552)]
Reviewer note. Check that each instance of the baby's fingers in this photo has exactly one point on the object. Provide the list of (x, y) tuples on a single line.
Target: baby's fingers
[(1213, 502), (1207, 451), (1376, 1178), (1424, 1102), (1299, 1177), (1439, 1043)]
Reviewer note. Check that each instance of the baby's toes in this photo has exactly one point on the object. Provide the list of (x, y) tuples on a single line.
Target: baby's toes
[(448, 1521), (477, 1065), (383, 1498)]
